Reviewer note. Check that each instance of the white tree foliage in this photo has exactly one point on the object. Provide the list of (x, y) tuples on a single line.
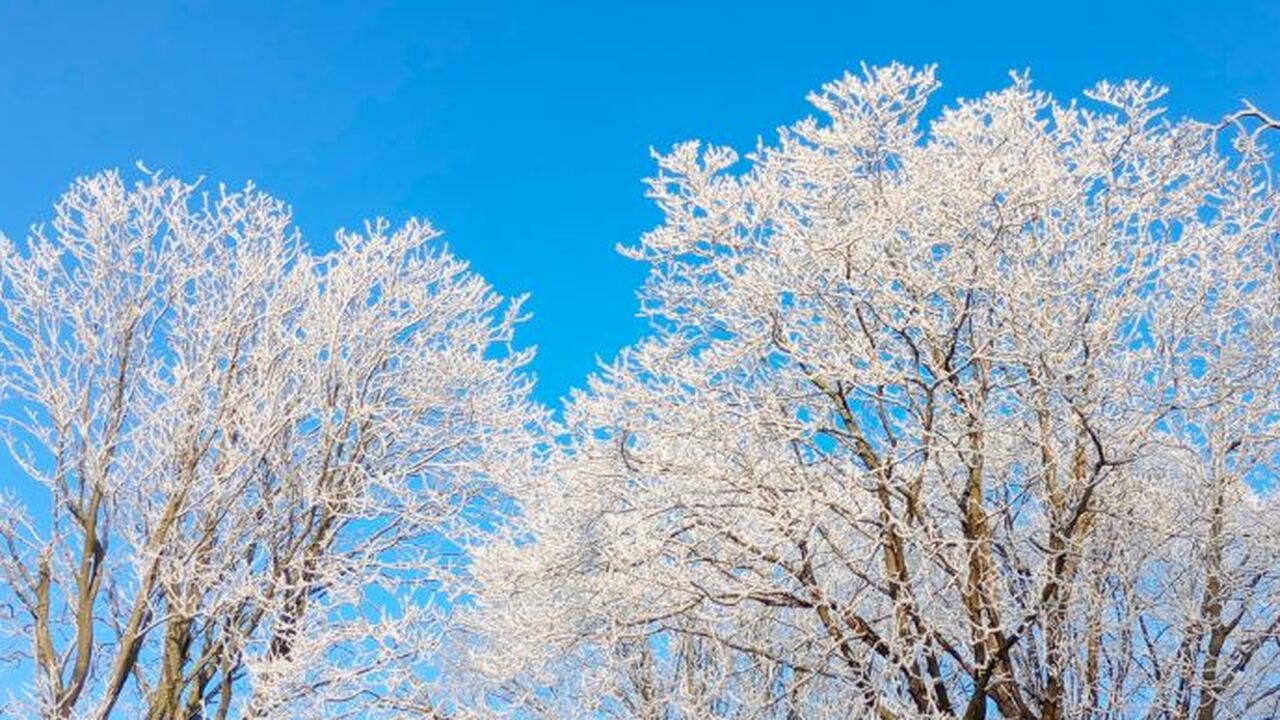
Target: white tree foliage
[(248, 470), (948, 417)]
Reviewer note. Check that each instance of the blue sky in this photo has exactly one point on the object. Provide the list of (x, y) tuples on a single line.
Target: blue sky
[(523, 130)]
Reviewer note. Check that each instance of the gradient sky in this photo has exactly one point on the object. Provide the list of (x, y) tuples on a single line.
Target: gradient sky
[(523, 130)]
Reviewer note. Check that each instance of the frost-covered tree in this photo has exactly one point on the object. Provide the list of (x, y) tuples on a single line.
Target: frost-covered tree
[(245, 471), (965, 416)]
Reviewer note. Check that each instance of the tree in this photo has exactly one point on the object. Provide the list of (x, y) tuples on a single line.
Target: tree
[(954, 419), (248, 471)]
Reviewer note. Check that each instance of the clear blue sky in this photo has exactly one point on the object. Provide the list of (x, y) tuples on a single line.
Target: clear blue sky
[(523, 130)]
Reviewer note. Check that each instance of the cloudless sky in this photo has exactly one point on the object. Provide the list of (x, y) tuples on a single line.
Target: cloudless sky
[(522, 130)]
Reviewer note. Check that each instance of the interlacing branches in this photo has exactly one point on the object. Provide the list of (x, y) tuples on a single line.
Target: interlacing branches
[(965, 418), (249, 470)]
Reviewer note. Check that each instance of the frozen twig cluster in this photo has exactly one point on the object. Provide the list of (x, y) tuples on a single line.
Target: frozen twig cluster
[(967, 414), (255, 468), (964, 418)]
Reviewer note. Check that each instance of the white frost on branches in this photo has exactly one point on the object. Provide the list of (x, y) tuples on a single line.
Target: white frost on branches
[(251, 471), (961, 418)]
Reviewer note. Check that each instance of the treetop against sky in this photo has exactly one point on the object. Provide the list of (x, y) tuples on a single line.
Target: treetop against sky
[(936, 401), (522, 130)]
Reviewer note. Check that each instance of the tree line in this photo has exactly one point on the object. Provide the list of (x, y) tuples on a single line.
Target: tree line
[(959, 413)]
